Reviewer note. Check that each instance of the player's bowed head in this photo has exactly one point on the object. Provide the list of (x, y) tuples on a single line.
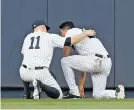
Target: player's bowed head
[(65, 26)]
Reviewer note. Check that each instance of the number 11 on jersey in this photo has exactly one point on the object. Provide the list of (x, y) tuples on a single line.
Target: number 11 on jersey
[(32, 42)]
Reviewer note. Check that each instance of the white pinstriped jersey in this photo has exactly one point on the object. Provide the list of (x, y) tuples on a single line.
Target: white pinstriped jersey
[(38, 48), (87, 46)]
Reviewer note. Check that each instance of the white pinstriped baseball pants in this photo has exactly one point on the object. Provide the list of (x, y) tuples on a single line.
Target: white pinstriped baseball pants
[(99, 69), (43, 75)]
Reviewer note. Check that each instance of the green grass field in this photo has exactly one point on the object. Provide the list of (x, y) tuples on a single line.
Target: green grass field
[(67, 104)]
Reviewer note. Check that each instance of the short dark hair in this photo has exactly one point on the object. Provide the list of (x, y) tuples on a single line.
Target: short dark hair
[(67, 24)]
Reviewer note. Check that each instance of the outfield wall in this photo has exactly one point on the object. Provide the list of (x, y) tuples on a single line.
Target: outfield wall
[(112, 19)]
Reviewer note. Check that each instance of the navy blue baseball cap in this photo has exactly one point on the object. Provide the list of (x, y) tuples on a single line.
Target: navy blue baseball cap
[(38, 23)]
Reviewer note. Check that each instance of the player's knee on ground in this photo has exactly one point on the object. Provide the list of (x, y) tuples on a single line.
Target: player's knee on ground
[(96, 96), (54, 93), (51, 91), (100, 96)]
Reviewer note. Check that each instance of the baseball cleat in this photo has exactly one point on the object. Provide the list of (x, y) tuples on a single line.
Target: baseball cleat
[(70, 96), (120, 92), (27, 97), (37, 89)]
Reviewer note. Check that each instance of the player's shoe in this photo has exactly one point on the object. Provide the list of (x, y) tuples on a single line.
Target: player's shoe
[(120, 92), (27, 97), (70, 96), (37, 89)]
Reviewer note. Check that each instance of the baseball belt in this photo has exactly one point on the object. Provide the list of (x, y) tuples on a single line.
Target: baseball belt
[(101, 56), (36, 68)]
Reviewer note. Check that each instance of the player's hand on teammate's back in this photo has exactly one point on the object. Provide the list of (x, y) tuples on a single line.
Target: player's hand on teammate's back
[(90, 32)]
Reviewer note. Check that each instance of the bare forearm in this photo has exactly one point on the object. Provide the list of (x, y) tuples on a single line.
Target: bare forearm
[(66, 51), (82, 78)]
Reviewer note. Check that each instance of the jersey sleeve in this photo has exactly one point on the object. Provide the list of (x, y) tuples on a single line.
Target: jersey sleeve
[(22, 50), (73, 32), (58, 41)]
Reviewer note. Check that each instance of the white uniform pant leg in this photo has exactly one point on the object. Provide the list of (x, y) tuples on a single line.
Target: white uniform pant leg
[(43, 75), (26, 74), (99, 80), (49, 80), (78, 62)]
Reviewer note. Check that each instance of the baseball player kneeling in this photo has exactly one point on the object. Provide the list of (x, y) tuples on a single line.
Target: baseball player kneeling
[(37, 51), (93, 58)]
